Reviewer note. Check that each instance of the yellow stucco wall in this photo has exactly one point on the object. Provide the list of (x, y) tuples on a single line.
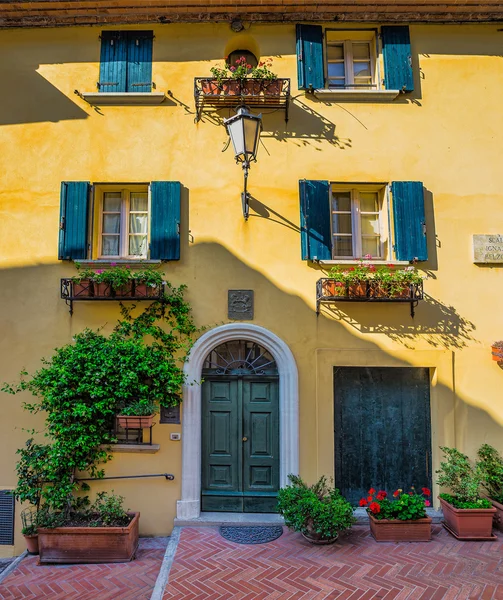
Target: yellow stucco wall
[(447, 134)]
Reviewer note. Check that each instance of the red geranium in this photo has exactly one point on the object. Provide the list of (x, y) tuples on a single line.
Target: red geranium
[(397, 493), (426, 491), (375, 508), (371, 492), (381, 494), (363, 502)]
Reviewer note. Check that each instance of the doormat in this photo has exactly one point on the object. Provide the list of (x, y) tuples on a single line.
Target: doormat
[(251, 535)]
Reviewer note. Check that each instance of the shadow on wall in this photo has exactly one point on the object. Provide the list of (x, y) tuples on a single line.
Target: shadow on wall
[(29, 98)]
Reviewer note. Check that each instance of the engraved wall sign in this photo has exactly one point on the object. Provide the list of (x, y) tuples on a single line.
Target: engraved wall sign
[(488, 248), (170, 415), (240, 305)]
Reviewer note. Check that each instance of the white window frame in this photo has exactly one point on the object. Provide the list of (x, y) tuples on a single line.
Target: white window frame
[(124, 233), (356, 213), (347, 39)]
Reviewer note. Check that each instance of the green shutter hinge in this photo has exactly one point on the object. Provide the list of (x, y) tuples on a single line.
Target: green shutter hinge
[(62, 223)]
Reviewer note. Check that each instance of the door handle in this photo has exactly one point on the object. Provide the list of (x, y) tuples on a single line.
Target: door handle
[(245, 439)]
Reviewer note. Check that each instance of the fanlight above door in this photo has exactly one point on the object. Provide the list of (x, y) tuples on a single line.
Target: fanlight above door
[(240, 357)]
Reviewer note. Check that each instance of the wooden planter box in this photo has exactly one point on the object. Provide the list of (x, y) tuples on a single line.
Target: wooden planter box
[(498, 515), (468, 523), (89, 545), (133, 422), (394, 530)]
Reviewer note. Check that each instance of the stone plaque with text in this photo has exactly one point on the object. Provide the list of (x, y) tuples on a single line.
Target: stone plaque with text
[(488, 248)]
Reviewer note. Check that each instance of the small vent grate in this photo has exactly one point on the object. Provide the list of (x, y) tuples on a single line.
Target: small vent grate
[(6, 518)]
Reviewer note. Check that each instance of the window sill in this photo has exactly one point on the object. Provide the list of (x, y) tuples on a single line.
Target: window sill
[(358, 95), (135, 448), (132, 262), (123, 98), (395, 263)]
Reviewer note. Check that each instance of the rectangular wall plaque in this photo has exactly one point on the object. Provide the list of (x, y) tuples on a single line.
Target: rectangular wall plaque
[(488, 248), (240, 305), (170, 415)]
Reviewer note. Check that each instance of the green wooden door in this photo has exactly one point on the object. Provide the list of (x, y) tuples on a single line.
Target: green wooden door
[(382, 429), (240, 444)]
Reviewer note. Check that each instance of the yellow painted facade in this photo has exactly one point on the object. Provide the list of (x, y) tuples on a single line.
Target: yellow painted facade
[(447, 134)]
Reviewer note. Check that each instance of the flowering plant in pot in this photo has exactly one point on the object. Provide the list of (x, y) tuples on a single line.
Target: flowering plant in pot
[(490, 467), (148, 282), (497, 350), (318, 512), (467, 515), (401, 518), (116, 281)]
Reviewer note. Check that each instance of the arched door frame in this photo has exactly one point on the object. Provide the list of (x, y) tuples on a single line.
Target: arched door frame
[(189, 507)]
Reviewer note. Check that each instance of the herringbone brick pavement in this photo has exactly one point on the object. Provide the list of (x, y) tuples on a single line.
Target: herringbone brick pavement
[(134, 580), (207, 567)]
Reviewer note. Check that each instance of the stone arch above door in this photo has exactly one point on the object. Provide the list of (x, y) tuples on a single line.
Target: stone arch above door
[(189, 507)]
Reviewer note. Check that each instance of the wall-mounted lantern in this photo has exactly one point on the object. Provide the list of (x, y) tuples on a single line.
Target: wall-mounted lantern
[(244, 131)]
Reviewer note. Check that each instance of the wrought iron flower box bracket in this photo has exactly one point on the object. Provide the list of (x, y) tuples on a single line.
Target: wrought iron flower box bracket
[(230, 93), (330, 291), (87, 290)]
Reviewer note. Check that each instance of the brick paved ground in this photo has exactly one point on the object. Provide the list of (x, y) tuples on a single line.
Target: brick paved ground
[(122, 581), (207, 567)]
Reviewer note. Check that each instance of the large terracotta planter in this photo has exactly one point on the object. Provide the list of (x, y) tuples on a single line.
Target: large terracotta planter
[(395, 530), (63, 545), (468, 523), (135, 422), (498, 515), (31, 543), (317, 540)]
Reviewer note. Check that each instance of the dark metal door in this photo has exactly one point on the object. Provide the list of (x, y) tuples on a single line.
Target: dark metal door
[(240, 443), (382, 429)]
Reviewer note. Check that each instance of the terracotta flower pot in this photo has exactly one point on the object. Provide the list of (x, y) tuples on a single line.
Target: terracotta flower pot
[(468, 523), (124, 291), (232, 87), (102, 290), (32, 543), (497, 353), (357, 290), (135, 422), (333, 288), (395, 530), (252, 87), (89, 544), (210, 87), (83, 289), (498, 516), (273, 87)]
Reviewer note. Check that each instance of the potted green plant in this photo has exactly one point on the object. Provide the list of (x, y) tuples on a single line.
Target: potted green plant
[(402, 518), (137, 415), (318, 512), (115, 282), (83, 283), (490, 467), (467, 515), (30, 529), (271, 85), (80, 390), (148, 282), (497, 350)]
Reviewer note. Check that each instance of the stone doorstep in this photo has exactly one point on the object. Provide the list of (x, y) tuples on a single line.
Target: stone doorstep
[(215, 519)]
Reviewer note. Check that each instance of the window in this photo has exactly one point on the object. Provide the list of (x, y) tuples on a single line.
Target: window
[(356, 223), (235, 55), (124, 217), (350, 63), (126, 61)]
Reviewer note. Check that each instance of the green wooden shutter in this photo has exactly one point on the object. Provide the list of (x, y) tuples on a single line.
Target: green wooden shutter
[(315, 230), (409, 220), (139, 61), (113, 62), (310, 57), (397, 57), (165, 220), (74, 219)]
